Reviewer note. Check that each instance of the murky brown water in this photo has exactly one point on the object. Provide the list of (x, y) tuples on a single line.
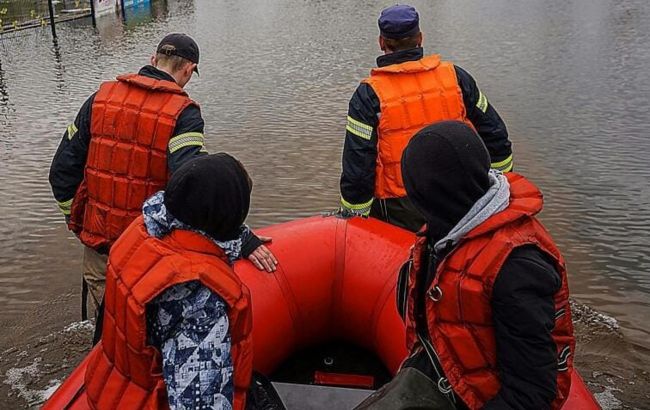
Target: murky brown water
[(569, 77)]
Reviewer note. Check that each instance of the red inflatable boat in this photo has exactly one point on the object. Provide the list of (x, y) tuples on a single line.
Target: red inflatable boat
[(335, 283)]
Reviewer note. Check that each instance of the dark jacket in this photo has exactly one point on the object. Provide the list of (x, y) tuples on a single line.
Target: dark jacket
[(67, 169), (360, 155), (524, 314)]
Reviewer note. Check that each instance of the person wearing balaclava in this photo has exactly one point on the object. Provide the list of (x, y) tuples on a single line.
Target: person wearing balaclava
[(177, 319), (484, 296)]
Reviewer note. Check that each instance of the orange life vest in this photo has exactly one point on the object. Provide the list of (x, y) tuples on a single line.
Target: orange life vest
[(124, 372), (132, 121), (412, 95), (458, 309)]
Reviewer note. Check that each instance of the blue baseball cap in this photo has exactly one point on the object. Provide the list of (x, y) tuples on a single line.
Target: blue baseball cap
[(399, 21)]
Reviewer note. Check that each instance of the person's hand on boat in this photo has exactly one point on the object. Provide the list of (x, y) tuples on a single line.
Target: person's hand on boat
[(253, 249), (262, 257)]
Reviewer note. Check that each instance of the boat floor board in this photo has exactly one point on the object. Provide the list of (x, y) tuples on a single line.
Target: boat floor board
[(310, 397)]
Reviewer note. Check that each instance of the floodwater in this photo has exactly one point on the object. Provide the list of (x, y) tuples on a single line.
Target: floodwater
[(570, 77)]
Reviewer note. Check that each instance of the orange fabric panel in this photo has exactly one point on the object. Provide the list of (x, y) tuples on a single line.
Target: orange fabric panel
[(132, 121), (460, 322), (412, 95), (123, 371)]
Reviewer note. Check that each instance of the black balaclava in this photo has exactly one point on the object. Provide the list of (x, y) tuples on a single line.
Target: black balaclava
[(211, 193), (445, 168)]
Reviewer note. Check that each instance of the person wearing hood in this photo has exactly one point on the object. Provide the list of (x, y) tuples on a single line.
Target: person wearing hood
[(177, 321), (406, 92), (484, 295)]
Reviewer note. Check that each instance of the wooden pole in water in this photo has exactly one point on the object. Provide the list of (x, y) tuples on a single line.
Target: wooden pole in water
[(51, 7), (92, 12)]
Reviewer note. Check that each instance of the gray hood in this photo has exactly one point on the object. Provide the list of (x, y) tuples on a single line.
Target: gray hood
[(495, 200)]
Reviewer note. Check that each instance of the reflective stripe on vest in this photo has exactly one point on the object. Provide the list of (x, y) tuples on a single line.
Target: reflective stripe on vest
[(124, 372), (65, 206), (412, 95), (458, 310), (132, 122), (72, 130)]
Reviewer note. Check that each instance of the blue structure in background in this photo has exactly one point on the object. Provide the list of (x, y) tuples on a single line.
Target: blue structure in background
[(136, 11)]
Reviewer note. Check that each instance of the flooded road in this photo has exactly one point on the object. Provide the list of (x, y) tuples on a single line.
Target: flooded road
[(569, 77)]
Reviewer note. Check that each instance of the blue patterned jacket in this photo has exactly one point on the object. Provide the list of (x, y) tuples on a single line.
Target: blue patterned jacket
[(188, 323)]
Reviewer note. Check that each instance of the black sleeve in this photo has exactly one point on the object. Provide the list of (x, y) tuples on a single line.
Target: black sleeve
[(250, 242), (67, 169), (487, 121), (188, 139), (360, 150), (524, 317)]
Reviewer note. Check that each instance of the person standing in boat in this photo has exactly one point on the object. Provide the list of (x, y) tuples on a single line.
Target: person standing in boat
[(485, 295), (126, 140), (407, 92), (177, 318)]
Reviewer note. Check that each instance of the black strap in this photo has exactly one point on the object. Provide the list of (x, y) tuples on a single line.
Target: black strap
[(402, 288), (385, 206), (402, 300), (99, 324), (84, 299), (443, 383)]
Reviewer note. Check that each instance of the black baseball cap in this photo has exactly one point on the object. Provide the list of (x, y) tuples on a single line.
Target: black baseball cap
[(182, 45)]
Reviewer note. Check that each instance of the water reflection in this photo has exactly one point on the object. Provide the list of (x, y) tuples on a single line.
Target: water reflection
[(4, 94), (59, 69)]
